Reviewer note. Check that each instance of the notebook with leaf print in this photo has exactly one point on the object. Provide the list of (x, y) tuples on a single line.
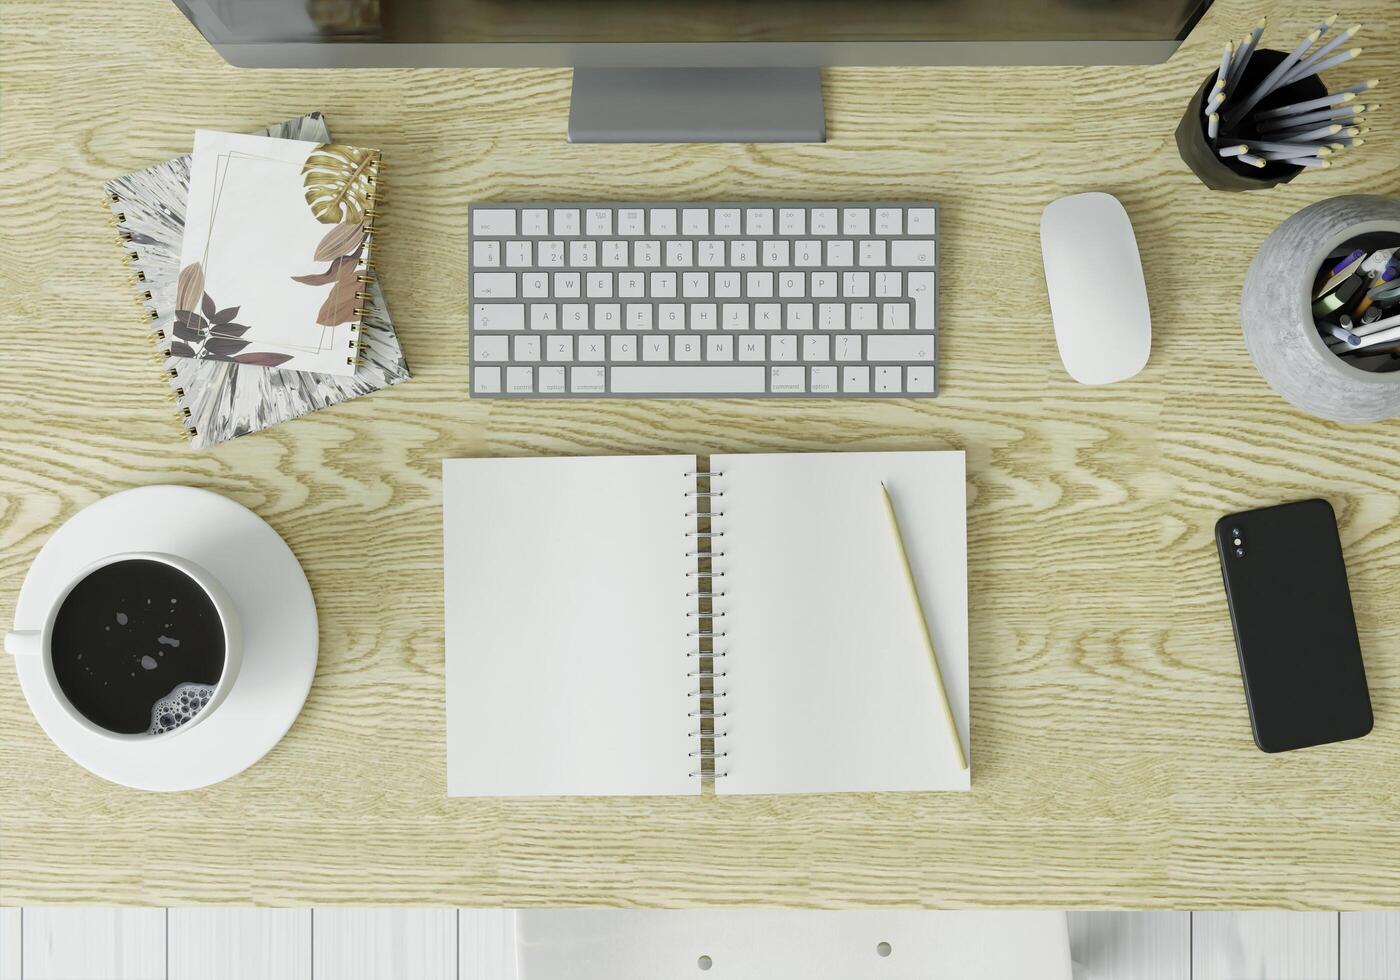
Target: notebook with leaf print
[(273, 262), (221, 400)]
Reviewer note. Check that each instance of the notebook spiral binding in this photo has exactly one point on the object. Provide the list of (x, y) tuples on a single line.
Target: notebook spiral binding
[(705, 639), (131, 256), (366, 274)]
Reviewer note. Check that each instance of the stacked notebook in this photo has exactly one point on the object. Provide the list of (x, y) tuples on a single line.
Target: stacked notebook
[(266, 310), (645, 625)]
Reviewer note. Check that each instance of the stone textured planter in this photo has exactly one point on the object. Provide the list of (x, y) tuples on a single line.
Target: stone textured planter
[(1276, 310)]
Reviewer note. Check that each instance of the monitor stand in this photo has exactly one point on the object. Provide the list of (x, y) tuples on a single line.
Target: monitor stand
[(697, 105)]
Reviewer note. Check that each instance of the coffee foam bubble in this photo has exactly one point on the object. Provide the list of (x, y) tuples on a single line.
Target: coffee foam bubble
[(178, 707)]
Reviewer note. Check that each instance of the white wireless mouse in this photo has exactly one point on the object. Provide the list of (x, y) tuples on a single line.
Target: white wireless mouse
[(1098, 298)]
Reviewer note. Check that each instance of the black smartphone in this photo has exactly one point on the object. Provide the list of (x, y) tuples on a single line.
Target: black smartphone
[(1286, 582)]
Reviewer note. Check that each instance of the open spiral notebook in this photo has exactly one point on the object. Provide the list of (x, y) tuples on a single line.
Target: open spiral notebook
[(642, 625)]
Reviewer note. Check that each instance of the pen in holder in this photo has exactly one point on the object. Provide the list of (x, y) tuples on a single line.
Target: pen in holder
[(1232, 173)]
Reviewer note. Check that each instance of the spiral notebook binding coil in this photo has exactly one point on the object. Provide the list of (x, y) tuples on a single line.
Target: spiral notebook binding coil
[(131, 255), (705, 653), (365, 275)]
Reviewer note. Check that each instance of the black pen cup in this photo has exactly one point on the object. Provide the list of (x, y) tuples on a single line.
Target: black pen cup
[(1230, 173)]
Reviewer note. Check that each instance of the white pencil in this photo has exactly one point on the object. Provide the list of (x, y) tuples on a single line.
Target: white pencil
[(1252, 160), (1376, 326), (1298, 148), (1381, 332), (1267, 85), (1223, 74), (1340, 113), (1301, 136), (1365, 86), (1304, 67), (1327, 101), (1213, 125), (1323, 66), (1283, 154), (1306, 162), (1246, 51), (1233, 151)]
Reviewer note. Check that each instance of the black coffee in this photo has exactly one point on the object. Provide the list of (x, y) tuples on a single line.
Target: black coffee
[(138, 647)]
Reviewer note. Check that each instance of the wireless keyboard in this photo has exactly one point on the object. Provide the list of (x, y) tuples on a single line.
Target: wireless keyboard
[(703, 300)]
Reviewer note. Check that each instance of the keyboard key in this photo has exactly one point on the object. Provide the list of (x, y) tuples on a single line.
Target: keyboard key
[(753, 348), (792, 284), (783, 347), (520, 379), (823, 380), (568, 285), (534, 285), (704, 316), (855, 285), (558, 348), (486, 254), (792, 221), (696, 285), (574, 316), (855, 379), (701, 379), (493, 222), (695, 222), (631, 285), (919, 379), (639, 316), (671, 316), (727, 222), (865, 316), (551, 380), (607, 316), (534, 222), (544, 316), (743, 255), (711, 253), (486, 381), (550, 254), (657, 348), (855, 221), (493, 285), (498, 316), (758, 221), (816, 347), (767, 316), (600, 285), (583, 254), (915, 253), (519, 254), (840, 253), (592, 347), (889, 284), (921, 288), (566, 222), (646, 255), (824, 221), (614, 254), (680, 253), (526, 348), (736, 316), (799, 316), (587, 380), (807, 253), (663, 221), (624, 347), (687, 348), (894, 316), (775, 253), (823, 284), (598, 221), (889, 221), (485, 347), (896, 347), (663, 285), (872, 253), (921, 221), (631, 222), (848, 347), (782, 380), (759, 284), (887, 379), (727, 285), (719, 347)]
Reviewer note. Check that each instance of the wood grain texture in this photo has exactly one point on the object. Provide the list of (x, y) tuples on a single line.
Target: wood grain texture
[(386, 944), (1114, 761), (1264, 946), (1370, 945), (89, 943), (1131, 945), (232, 944)]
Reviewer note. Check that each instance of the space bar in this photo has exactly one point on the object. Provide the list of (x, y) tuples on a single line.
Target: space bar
[(687, 380)]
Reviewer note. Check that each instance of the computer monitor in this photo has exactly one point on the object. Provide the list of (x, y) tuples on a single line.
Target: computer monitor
[(740, 70)]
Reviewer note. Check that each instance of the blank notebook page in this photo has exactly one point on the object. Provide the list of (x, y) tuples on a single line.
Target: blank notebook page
[(830, 686), (566, 619)]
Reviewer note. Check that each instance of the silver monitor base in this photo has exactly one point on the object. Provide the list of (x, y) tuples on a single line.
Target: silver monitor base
[(697, 105)]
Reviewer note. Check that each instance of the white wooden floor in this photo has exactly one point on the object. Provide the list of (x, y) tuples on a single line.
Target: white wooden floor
[(466, 944)]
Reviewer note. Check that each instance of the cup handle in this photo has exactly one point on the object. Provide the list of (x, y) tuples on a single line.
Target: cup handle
[(23, 643)]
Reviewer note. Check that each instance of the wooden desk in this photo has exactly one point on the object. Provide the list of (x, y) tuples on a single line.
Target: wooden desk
[(1112, 756)]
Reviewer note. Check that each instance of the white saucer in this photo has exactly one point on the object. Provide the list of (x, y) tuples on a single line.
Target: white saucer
[(274, 603)]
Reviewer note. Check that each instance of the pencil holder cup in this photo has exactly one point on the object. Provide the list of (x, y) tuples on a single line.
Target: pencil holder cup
[(1277, 310), (1229, 173)]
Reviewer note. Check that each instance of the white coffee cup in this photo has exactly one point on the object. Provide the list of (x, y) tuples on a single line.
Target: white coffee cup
[(38, 642)]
